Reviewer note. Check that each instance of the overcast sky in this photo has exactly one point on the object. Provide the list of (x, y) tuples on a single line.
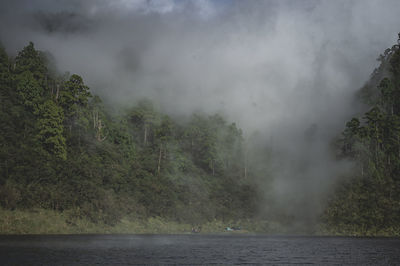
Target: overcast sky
[(260, 62), (279, 68)]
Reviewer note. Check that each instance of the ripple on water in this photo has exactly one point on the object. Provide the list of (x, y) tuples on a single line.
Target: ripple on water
[(196, 249)]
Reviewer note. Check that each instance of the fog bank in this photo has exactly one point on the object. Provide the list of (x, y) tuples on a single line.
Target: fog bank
[(287, 70)]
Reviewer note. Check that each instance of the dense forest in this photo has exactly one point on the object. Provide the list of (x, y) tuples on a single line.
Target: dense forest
[(63, 149), (368, 201)]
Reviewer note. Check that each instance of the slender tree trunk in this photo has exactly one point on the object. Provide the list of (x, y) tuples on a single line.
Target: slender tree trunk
[(6, 168), (57, 92), (377, 152), (159, 160), (98, 126), (245, 164), (362, 169), (94, 120), (398, 143), (145, 134)]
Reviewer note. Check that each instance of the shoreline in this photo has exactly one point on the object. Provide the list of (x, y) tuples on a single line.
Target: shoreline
[(49, 222)]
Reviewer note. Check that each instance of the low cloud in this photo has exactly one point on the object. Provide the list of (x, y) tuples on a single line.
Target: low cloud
[(284, 69)]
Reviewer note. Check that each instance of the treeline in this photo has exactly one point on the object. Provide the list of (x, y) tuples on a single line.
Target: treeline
[(61, 149), (370, 201)]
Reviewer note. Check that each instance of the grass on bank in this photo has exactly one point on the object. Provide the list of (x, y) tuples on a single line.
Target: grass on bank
[(41, 221)]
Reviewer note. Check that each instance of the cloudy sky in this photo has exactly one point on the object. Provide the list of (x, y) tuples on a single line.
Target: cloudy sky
[(278, 68), (260, 62)]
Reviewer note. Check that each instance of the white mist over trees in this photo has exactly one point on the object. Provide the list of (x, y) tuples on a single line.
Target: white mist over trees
[(285, 71)]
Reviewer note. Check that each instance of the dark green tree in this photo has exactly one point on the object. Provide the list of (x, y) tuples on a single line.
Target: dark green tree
[(51, 129), (30, 60)]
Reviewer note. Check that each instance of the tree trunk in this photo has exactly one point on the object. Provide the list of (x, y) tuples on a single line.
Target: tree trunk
[(6, 169), (376, 153), (245, 164), (145, 134), (159, 160), (57, 92), (95, 118), (98, 126)]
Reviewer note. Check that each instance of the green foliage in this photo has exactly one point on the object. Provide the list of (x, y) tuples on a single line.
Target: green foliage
[(5, 75), (32, 61), (50, 126), (29, 90), (370, 202), (74, 95), (62, 150)]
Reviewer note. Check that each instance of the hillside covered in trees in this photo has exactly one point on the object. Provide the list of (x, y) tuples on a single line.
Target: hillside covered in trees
[(368, 202), (61, 149)]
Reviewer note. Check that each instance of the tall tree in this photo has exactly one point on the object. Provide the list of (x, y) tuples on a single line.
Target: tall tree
[(51, 129), (30, 60)]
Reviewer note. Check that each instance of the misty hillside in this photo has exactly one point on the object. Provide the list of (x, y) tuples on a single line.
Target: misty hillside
[(277, 116), (369, 200), (62, 149)]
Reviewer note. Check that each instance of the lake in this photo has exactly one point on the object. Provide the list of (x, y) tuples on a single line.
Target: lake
[(196, 249)]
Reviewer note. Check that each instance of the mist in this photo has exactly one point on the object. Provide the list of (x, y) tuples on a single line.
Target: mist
[(284, 71)]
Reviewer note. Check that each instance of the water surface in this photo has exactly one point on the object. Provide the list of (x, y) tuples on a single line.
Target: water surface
[(196, 250)]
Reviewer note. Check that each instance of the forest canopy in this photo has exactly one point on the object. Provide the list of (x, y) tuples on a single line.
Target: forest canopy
[(63, 149)]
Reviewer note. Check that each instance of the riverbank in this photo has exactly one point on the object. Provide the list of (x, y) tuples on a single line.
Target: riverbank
[(358, 231), (41, 221)]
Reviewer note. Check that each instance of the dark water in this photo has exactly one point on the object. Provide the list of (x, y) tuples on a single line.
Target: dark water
[(196, 250)]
